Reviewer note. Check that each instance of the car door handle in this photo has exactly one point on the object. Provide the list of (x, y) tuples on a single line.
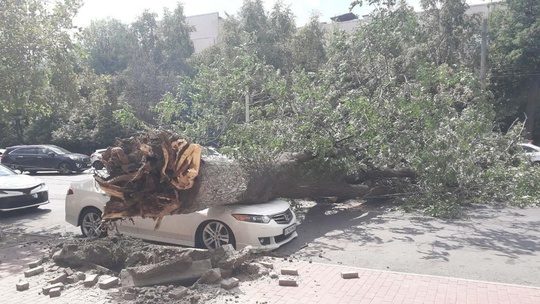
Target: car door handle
[(20, 156)]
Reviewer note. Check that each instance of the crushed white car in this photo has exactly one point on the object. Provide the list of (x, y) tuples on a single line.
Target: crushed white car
[(264, 226)]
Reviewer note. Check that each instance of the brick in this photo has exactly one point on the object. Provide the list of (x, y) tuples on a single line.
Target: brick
[(33, 271), (55, 292), (289, 271), (21, 286), (91, 280), (68, 271), (230, 283), (287, 282), (108, 283), (268, 265), (35, 263), (59, 279), (349, 275), (72, 279), (48, 288)]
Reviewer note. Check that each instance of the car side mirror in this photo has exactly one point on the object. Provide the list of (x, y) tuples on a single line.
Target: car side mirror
[(52, 154)]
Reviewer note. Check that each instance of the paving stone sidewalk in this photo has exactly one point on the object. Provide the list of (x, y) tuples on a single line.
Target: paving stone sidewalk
[(322, 283), (14, 260)]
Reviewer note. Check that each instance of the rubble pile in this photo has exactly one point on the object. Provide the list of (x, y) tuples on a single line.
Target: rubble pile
[(132, 270)]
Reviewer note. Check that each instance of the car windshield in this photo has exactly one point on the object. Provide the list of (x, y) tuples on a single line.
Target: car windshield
[(58, 150), (4, 171)]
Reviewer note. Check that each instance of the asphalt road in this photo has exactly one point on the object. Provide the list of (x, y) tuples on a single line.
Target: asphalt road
[(496, 244)]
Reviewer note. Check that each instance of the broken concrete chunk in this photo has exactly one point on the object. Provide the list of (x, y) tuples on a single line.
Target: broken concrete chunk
[(68, 271), (81, 275), (59, 279), (349, 274), (55, 292), (53, 268), (33, 271), (178, 293), (287, 282), (130, 295), (289, 271), (21, 286), (72, 279), (35, 263), (179, 270), (210, 277), (254, 268), (229, 284), (91, 280), (108, 282), (47, 288), (267, 265)]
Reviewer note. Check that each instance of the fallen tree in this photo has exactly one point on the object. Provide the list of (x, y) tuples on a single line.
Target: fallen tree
[(159, 173)]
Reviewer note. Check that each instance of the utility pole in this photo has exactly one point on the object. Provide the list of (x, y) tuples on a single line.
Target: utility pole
[(483, 54)]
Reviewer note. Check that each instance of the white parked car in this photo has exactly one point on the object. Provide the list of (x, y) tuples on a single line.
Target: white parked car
[(264, 226), (532, 151), (95, 159), (19, 191)]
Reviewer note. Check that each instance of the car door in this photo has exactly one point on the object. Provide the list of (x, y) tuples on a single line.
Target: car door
[(176, 229), (24, 157), (43, 159)]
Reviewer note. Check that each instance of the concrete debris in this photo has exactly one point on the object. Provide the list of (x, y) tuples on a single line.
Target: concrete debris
[(210, 277), (55, 292), (22, 286), (108, 282), (45, 290), (181, 270), (349, 274), (178, 293), (33, 271), (289, 271), (91, 280), (230, 283), (287, 282)]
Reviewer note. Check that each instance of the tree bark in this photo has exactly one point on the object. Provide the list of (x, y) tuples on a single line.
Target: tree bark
[(159, 174)]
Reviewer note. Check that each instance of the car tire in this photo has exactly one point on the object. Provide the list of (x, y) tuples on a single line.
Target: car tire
[(64, 168), (214, 234), (98, 165), (91, 222)]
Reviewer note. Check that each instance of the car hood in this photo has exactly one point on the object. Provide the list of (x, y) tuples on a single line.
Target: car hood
[(18, 182), (269, 208), (77, 155)]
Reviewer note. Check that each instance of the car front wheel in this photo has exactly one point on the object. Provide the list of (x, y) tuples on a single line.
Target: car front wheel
[(91, 223), (214, 234), (64, 168)]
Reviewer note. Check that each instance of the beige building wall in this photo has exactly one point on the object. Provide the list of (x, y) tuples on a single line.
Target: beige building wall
[(206, 30)]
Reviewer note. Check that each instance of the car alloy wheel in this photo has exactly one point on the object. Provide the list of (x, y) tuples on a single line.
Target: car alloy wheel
[(91, 224), (64, 168), (215, 234)]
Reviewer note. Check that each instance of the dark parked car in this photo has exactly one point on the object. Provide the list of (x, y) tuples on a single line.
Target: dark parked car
[(21, 191), (33, 158)]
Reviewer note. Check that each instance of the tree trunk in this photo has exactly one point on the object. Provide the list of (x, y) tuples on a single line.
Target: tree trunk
[(533, 102), (160, 174)]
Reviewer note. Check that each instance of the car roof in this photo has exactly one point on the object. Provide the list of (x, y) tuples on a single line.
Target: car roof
[(529, 145)]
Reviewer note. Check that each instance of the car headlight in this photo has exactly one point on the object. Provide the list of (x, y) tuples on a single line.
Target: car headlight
[(73, 157), (265, 219)]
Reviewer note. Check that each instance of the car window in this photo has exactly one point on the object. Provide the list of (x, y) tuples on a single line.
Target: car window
[(5, 171), (58, 150), (528, 149), (25, 151)]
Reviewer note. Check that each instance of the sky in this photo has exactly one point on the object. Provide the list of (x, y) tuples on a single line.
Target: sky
[(127, 10)]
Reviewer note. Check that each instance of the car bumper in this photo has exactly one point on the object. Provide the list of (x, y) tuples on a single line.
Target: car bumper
[(15, 202), (266, 236)]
